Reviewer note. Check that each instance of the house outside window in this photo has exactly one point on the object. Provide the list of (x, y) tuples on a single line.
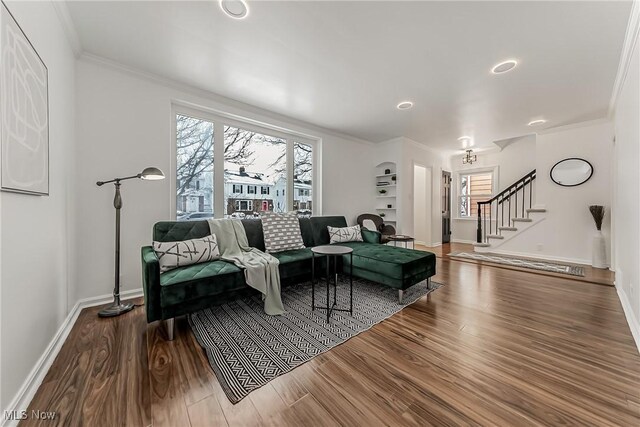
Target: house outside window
[(251, 189), (264, 190), (237, 189), (473, 188)]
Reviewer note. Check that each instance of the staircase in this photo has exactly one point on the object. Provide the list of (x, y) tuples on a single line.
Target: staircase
[(507, 214)]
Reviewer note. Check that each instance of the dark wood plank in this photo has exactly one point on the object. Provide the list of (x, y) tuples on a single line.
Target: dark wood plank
[(495, 346)]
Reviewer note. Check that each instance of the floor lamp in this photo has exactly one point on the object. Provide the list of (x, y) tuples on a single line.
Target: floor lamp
[(117, 307)]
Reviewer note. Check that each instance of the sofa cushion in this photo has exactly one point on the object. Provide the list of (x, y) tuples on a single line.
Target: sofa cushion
[(173, 231), (255, 235), (294, 263), (306, 229), (319, 226), (393, 262), (198, 280)]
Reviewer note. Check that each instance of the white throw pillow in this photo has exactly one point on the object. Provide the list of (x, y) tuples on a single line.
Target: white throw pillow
[(344, 234), (281, 232), (186, 252)]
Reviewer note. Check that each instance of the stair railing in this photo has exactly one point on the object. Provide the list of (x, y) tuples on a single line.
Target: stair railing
[(518, 194)]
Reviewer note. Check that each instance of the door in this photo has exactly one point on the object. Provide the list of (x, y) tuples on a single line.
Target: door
[(446, 207)]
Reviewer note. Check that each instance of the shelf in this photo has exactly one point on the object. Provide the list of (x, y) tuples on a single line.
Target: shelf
[(386, 197), (385, 209), (386, 186), (386, 175)]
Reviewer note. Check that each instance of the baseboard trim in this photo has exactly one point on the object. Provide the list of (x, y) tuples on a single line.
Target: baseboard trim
[(634, 325), (33, 381), (469, 242), (540, 257)]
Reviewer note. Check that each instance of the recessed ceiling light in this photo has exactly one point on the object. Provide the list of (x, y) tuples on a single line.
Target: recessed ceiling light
[(404, 105), (505, 66), (236, 9), (536, 122), (464, 138)]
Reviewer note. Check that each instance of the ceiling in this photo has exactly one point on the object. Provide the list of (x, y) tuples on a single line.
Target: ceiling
[(346, 65)]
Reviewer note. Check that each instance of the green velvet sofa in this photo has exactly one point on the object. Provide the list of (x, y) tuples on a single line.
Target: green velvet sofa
[(194, 287)]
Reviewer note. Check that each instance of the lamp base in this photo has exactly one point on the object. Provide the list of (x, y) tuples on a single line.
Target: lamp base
[(116, 309)]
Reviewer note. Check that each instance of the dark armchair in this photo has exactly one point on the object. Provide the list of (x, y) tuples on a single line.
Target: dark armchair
[(384, 229)]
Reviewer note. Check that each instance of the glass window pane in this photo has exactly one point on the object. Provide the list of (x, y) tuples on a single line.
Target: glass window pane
[(302, 178), (253, 160), (194, 168)]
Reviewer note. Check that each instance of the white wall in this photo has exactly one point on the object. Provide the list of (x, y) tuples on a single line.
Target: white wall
[(124, 125), (567, 230), (422, 204), (513, 162), (36, 267), (626, 188), (406, 153)]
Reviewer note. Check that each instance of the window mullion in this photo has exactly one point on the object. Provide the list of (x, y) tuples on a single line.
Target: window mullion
[(218, 169), (290, 171)]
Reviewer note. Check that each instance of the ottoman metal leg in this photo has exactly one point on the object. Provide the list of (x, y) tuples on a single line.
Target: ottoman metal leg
[(170, 324), (429, 283), (400, 294)]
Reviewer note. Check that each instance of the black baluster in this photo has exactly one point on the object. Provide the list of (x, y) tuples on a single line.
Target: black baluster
[(523, 198), (530, 193), (479, 227)]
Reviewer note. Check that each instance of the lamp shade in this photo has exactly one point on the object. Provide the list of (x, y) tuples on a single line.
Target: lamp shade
[(152, 174)]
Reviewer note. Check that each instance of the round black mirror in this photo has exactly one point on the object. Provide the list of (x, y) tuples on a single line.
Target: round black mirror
[(571, 172)]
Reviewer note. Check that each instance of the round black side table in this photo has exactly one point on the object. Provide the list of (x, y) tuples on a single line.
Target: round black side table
[(331, 251)]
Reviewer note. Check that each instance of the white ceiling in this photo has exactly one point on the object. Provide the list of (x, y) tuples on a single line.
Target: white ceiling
[(345, 65)]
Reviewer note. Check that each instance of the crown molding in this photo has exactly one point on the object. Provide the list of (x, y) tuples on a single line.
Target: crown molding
[(575, 125), (207, 94), (62, 10), (630, 41)]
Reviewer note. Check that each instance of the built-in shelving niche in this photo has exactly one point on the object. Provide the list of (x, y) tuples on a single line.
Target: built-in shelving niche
[(386, 185)]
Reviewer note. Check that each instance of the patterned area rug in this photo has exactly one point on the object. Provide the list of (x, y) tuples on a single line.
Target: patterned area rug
[(572, 270), (247, 349)]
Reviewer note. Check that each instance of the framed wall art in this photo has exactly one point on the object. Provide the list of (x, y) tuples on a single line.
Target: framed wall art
[(24, 111)]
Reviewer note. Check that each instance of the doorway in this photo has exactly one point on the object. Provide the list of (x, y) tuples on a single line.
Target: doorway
[(446, 207), (422, 204)]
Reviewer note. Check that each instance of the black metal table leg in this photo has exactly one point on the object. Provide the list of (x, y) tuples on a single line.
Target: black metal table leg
[(351, 286), (313, 281), (328, 275), (335, 280)]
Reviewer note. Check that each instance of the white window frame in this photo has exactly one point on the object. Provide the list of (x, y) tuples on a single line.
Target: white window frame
[(235, 190), (221, 119), (239, 205), (493, 170), (252, 187)]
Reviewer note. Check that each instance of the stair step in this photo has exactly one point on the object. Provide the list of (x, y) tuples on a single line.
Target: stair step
[(507, 229), (521, 220), (481, 245), (536, 210), (495, 236)]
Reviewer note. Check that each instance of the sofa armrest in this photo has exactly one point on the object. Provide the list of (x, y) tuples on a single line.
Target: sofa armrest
[(151, 283), (370, 236)]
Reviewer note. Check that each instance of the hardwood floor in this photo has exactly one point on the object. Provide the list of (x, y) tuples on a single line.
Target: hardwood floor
[(494, 346)]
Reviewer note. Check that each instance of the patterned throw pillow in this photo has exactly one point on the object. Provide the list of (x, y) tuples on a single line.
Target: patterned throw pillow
[(345, 234), (281, 231), (178, 254)]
